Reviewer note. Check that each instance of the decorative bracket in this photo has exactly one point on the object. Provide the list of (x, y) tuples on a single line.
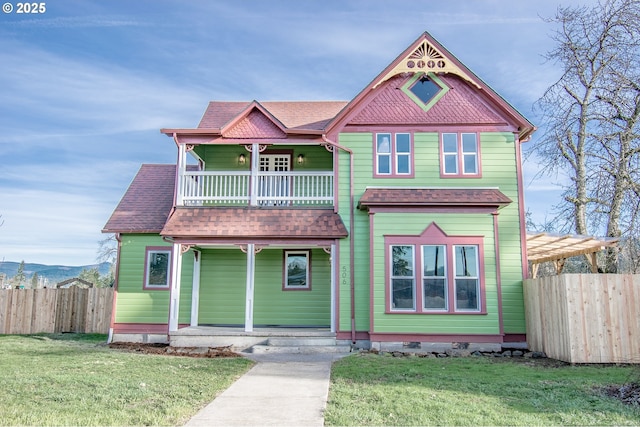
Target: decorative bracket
[(185, 248), (261, 147), (330, 148)]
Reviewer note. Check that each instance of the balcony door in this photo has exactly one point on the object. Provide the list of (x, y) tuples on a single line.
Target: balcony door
[(274, 186)]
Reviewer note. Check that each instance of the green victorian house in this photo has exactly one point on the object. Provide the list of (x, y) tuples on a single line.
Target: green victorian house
[(395, 217)]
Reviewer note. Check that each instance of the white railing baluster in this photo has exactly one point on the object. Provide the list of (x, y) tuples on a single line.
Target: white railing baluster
[(274, 188)]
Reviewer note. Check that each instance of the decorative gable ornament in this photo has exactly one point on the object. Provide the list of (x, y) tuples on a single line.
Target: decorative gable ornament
[(255, 122), (426, 59)]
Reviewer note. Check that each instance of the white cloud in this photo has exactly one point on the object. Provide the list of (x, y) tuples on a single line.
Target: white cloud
[(51, 227), (56, 92)]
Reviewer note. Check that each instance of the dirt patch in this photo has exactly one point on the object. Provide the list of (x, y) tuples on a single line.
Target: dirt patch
[(629, 394), (165, 349)]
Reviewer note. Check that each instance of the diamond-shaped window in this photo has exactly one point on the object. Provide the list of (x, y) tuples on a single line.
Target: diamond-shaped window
[(425, 89)]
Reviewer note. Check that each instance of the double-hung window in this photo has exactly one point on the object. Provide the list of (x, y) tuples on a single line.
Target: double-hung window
[(467, 281), (394, 155), (402, 277), (157, 269), (460, 155), (435, 275)]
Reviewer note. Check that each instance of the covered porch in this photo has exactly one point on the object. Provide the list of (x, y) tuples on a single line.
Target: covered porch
[(255, 273)]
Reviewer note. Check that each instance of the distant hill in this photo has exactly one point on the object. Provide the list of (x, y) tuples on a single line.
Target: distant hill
[(53, 273)]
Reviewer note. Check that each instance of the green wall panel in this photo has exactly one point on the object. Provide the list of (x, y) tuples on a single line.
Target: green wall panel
[(273, 306), (452, 224), (225, 157), (223, 281), (223, 290), (133, 303), (499, 170)]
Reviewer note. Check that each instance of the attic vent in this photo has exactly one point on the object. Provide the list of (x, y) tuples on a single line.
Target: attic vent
[(426, 56)]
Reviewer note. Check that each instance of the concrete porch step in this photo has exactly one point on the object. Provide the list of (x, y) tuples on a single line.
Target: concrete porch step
[(300, 345)]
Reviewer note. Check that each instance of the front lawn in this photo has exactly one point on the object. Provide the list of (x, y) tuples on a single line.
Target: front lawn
[(369, 389), (74, 379)]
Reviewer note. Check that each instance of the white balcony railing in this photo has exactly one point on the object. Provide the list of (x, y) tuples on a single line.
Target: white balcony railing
[(217, 188)]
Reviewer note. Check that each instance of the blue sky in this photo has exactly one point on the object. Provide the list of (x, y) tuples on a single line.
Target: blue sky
[(86, 86)]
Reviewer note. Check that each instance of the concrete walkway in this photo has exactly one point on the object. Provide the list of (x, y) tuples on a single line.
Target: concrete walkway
[(280, 390)]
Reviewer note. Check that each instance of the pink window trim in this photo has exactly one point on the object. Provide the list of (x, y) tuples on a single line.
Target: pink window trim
[(460, 174), (147, 251), (285, 288), (433, 235), (393, 156)]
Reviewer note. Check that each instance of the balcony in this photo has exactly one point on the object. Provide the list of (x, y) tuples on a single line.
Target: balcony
[(242, 188)]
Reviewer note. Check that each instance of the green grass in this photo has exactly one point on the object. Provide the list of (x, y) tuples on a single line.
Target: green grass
[(73, 379), (369, 389)]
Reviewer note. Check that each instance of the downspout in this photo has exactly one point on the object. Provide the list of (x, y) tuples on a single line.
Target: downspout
[(496, 245), (352, 289), (112, 321)]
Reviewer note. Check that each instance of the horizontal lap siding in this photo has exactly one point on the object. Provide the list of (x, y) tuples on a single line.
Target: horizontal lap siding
[(498, 157), (223, 281), (136, 305), (499, 170), (274, 306), (453, 224), (361, 144), (223, 290)]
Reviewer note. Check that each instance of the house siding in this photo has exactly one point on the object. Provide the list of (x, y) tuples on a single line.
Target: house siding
[(499, 169), (223, 290), (225, 157), (275, 306), (133, 303), (223, 287), (412, 224)]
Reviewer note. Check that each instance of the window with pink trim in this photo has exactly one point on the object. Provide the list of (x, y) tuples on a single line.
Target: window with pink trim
[(435, 274), (157, 268), (394, 155), (459, 155)]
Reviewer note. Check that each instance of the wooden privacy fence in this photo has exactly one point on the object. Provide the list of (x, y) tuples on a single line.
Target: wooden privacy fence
[(31, 311), (584, 318)]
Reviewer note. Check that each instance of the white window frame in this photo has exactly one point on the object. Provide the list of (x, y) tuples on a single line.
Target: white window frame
[(411, 277), (444, 278), (457, 276), (285, 281), (393, 155), (150, 252), (460, 155)]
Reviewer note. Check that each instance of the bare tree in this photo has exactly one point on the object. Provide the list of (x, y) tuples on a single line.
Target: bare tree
[(592, 117), (108, 249)]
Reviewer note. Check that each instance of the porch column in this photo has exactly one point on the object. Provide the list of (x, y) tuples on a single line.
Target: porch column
[(182, 166), (195, 288), (248, 312), (334, 271), (255, 166), (174, 299)]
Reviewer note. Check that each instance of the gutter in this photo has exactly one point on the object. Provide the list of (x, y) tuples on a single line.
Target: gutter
[(351, 235)]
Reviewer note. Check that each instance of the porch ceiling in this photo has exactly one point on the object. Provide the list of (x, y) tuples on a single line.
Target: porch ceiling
[(542, 247), (254, 223)]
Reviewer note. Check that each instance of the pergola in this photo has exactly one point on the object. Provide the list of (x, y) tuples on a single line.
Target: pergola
[(543, 247)]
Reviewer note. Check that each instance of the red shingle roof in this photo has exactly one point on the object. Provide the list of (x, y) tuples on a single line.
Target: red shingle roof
[(472, 197), (145, 206), (254, 223), (307, 115)]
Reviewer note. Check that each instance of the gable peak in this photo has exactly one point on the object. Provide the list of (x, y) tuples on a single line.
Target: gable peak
[(426, 55)]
